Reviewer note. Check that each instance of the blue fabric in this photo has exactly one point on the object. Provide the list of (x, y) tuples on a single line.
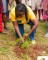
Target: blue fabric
[(21, 28), (32, 35), (7, 4), (7, 14)]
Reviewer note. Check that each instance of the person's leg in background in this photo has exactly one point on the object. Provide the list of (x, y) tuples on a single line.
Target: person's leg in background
[(4, 20), (32, 35), (21, 28), (7, 14), (39, 14), (35, 12), (42, 12), (4, 13), (1, 28)]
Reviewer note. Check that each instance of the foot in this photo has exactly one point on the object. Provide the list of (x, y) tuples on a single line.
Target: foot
[(46, 35), (33, 42)]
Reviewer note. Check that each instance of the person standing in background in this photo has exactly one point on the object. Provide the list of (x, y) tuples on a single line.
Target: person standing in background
[(30, 3), (36, 5), (4, 17), (1, 10), (39, 7), (11, 4), (42, 7), (45, 15)]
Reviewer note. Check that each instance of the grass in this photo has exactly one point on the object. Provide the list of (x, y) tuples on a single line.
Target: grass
[(8, 44)]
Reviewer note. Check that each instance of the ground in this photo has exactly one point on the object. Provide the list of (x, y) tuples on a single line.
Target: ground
[(10, 51)]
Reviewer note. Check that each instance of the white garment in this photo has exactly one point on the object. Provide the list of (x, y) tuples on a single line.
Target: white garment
[(37, 4), (23, 1), (31, 3)]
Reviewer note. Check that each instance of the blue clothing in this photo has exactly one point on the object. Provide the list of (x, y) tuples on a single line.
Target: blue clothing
[(7, 14), (21, 28), (32, 35), (7, 4)]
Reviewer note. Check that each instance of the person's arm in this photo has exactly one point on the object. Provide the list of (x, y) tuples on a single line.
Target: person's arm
[(17, 28), (15, 24), (33, 19), (13, 19), (35, 22)]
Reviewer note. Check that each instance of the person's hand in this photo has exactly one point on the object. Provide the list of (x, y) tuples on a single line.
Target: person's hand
[(22, 39), (25, 36)]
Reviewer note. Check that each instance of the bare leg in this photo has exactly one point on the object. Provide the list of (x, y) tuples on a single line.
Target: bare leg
[(4, 20), (42, 12), (35, 12), (39, 14)]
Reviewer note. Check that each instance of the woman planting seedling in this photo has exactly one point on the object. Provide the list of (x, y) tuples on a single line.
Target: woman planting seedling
[(20, 15)]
